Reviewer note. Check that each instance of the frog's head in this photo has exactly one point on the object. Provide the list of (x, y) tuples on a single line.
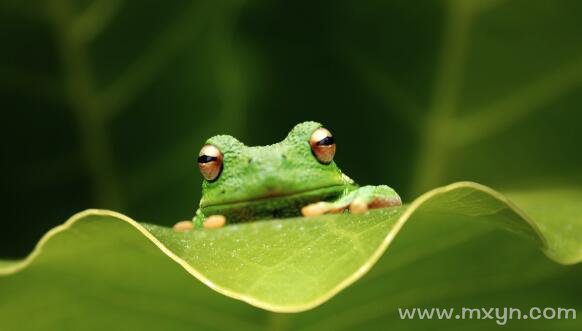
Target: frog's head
[(244, 182)]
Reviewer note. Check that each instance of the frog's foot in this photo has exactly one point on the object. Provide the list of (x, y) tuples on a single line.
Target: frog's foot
[(214, 221), (183, 226), (358, 201), (211, 222)]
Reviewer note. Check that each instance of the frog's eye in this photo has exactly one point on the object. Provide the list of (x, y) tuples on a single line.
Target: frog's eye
[(322, 145), (210, 162)]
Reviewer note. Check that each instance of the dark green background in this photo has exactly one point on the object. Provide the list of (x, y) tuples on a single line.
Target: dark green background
[(106, 103)]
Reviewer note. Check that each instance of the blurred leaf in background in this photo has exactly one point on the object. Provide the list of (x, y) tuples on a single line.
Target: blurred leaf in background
[(106, 102)]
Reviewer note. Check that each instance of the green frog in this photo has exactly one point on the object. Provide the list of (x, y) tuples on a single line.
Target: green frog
[(296, 176)]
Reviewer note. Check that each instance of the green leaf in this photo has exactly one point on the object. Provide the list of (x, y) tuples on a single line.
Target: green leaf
[(99, 261), (6, 264), (558, 215)]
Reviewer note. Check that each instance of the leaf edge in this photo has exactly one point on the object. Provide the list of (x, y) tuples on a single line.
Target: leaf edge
[(16, 266)]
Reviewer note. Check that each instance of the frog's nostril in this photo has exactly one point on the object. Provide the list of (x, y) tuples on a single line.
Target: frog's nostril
[(250, 160), (284, 157)]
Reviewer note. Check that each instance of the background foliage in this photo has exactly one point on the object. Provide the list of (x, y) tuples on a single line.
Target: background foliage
[(106, 102)]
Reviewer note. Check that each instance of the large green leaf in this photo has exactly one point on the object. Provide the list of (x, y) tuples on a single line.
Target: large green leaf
[(100, 260)]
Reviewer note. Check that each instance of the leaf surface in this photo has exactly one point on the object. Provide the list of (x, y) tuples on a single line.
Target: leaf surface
[(284, 265)]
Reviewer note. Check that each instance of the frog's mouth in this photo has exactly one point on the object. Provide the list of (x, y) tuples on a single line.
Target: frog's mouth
[(272, 205)]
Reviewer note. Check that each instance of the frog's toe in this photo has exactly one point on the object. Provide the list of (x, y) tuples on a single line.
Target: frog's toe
[(358, 207), (183, 226), (214, 221), (322, 207), (385, 202), (315, 209)]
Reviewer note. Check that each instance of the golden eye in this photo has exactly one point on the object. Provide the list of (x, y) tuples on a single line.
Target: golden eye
[(210, 162), (322, 145)]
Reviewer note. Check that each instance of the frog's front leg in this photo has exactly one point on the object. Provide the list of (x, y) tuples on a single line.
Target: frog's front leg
[(358, 201), (209, 222)]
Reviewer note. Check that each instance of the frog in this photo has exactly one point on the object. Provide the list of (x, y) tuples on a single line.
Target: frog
[(292, 178)]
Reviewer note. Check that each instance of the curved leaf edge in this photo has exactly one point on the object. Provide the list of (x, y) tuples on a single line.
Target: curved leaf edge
[(8, 268)]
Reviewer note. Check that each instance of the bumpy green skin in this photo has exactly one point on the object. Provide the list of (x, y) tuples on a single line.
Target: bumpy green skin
[(275, 181)]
